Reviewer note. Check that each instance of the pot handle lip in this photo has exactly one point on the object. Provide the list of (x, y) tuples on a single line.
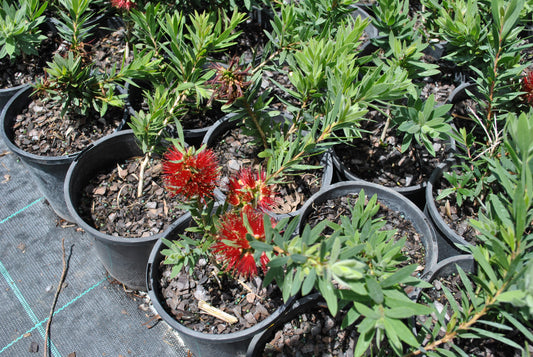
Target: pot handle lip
[(82, 152), (149, 286)]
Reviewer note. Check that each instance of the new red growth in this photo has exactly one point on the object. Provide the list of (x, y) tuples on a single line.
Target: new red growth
[(123, 4), (527, 86), (189, 173)]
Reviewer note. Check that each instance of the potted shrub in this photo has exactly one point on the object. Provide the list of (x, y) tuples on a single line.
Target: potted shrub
[(48, 124), (495, 297), (459, 191), (494, 300), (213, 250), (186, 45), (403, 136), (24, 42), (403, 166), (239, 236)]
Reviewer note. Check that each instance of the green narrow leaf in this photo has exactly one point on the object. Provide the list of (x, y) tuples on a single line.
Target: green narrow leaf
[(374, 290), (328, 292), (309, 282), (483, 263)]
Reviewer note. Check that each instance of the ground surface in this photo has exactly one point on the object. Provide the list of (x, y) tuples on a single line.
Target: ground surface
[(94, 316)]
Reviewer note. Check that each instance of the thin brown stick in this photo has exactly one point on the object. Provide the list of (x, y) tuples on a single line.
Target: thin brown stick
[(63, 275)]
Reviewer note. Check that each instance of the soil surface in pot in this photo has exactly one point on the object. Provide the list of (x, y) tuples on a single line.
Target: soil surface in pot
[(236, 150), (380, 161), (110, 204), (247, 300), (41, 130), (332, 209), (316, 333), (313, 333)]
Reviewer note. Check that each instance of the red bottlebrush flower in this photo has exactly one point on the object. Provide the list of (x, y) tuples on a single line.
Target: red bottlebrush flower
[(123, 4), (250, 188), (230, 82), (189, 173), (232, 245), (527, 86)]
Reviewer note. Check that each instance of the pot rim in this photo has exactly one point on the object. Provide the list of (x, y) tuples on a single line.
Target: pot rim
[(422, 223)]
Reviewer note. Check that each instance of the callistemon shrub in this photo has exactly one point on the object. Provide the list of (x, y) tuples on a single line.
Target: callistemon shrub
[(193, 175)]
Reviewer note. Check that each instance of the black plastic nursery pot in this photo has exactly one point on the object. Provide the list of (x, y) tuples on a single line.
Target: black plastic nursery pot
[(202, 344), (125, 259), (448, 266), (7, 93), (299, 307), (391, 199), (48, 171), (450, 243)]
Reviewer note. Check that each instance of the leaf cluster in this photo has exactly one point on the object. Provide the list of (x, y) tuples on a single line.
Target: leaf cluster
[(422, 120), (73, 24), (19, 28), (182, 85), (186, 250), (392, 18), (81, 88)]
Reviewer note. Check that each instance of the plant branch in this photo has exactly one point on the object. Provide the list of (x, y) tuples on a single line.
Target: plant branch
[(253, 115), (464, 326)]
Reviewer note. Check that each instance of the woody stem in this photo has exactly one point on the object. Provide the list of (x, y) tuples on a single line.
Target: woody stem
[(253, 115)]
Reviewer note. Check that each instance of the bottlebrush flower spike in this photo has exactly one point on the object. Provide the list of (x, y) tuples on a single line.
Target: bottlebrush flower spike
[(527, 86), (232, 244), (230, 82), (250, 188), (123, 4), (190, 173)]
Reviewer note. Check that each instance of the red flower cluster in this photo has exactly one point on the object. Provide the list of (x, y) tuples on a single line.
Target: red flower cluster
[(123, 4), (249, 187), (527, 86), (232, 244), (189, 173)]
